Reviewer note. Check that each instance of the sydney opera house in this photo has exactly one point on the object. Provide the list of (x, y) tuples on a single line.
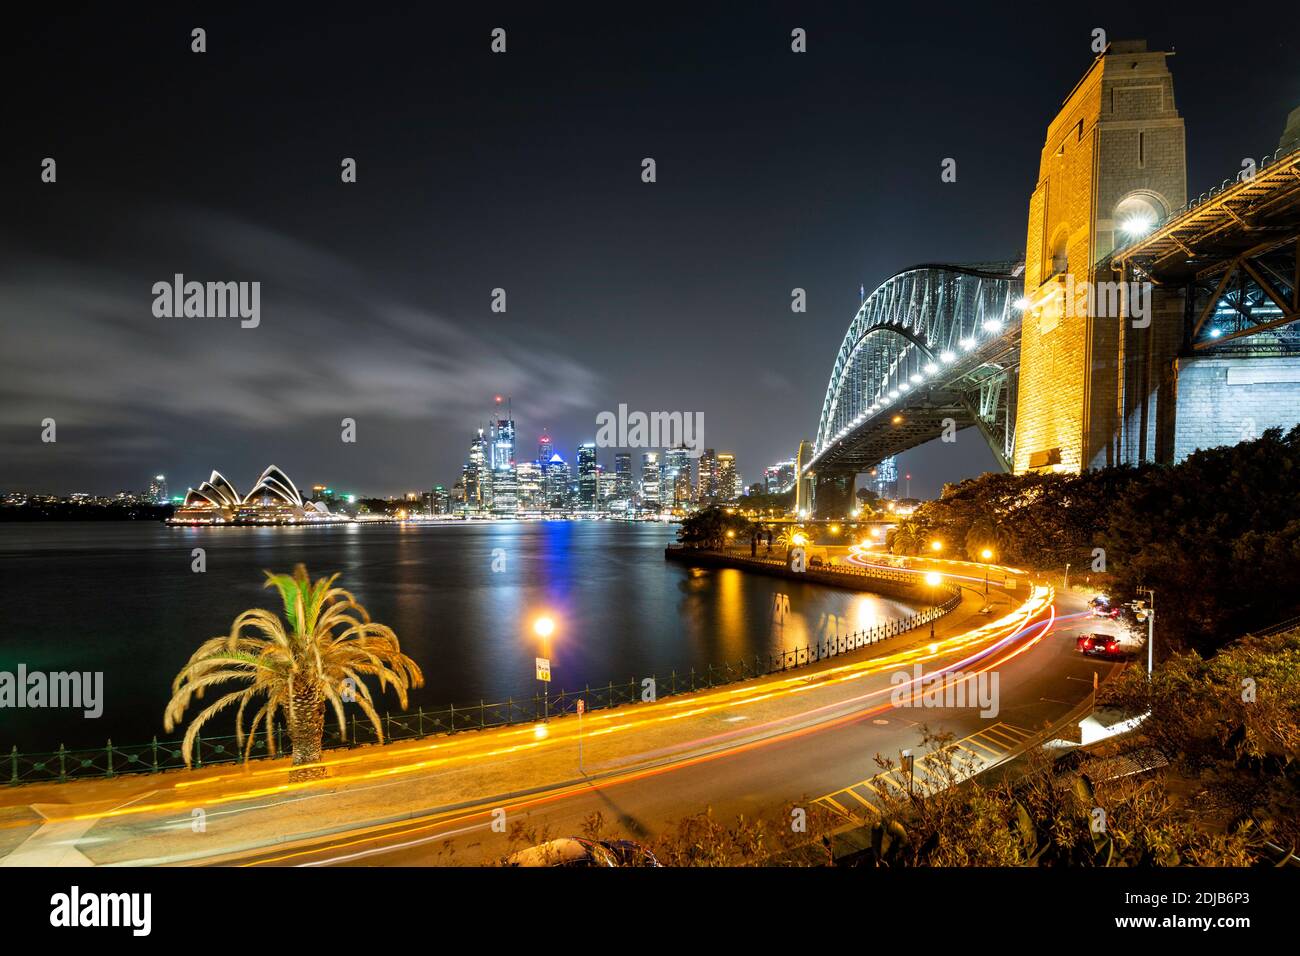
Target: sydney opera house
[(274, 499)]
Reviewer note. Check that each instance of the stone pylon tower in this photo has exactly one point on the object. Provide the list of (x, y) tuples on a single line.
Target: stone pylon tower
[(1114, 157)]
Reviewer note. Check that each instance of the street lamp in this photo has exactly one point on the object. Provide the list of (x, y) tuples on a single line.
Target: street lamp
[(987, 556), (544, 627), (936, 545), (1151, 630), (933, 579)]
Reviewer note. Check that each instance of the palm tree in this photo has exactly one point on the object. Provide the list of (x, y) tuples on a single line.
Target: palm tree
[(327, 647), (791, 536)]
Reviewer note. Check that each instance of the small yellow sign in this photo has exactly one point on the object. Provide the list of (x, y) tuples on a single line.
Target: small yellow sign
[(544, 669)]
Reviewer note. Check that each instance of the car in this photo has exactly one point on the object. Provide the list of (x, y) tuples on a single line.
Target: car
[(1100, 645), (1101, 607), (578, 851)]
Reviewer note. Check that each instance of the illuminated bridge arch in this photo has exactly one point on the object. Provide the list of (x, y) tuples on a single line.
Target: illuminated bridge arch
[(931, 344)]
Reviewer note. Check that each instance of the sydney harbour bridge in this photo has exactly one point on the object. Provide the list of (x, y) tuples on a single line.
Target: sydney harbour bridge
[(1138, 327)]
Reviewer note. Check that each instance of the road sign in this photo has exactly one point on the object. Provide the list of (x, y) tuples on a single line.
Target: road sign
[(582, 707), (544, 669)]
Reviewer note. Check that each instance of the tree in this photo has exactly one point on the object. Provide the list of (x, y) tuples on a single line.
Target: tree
[(318, 654), (708, 528)]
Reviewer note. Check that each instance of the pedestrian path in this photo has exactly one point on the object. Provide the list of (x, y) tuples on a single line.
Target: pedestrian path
[(930, 772)]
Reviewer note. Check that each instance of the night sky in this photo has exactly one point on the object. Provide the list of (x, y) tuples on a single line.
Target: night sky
[(519, 171)]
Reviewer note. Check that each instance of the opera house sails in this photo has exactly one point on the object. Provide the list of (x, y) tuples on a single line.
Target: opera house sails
[(274, 499)]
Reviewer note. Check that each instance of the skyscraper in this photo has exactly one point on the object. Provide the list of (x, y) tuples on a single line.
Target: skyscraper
[(157, 492), (779, 477), (707, 489), (884, 478), (727, 486), (475, 476), (530, 486), (623, 476), (505, 496), (675, 481), (545, 449), (650, 480), (587, 482), (557, 483)]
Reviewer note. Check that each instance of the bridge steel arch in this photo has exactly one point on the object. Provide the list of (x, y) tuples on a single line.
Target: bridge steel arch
[(931, 345)]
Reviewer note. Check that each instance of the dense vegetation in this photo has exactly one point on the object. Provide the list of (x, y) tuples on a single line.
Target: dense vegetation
[(708, 528), (1216, 536)]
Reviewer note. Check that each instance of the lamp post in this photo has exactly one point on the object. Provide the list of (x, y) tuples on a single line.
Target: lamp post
[(1151, 629), (987, 556), (934, 580), (544, 627)]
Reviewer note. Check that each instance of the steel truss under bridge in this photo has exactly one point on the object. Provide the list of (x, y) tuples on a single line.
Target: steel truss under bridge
[(931, 345), (1235, 254)]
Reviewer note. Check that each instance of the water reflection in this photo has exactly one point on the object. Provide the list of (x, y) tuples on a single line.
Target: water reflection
[(120, 598)]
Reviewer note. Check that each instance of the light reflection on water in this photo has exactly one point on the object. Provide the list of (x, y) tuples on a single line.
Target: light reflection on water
[(121, 598)]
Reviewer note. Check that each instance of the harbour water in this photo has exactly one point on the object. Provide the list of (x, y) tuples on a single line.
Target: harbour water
[(121, 598)]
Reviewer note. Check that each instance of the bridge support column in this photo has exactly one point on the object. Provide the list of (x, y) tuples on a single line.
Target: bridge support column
[(833, 494)]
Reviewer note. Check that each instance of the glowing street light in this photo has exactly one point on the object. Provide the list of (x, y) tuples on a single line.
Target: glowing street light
[(936, 545), (933, 579), (544, 627), (986, 555)]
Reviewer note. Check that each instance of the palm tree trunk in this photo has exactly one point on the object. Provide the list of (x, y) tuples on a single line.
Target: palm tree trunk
[(307, 727)]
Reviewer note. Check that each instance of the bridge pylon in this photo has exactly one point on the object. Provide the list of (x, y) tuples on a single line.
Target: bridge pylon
[(1113, 163)]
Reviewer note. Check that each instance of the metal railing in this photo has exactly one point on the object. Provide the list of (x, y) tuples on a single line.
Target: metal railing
[(114, 760)]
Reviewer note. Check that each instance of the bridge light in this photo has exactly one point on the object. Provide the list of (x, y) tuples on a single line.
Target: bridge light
[(967, 344), (903, 386), (918, 377), (897, 419), (1021, 303), (992, 325), (931, 369), (893, 393), (1137, 226), (948, 357), (1215, 333)]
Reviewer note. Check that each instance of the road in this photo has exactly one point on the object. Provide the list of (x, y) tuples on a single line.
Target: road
[(808, 738)]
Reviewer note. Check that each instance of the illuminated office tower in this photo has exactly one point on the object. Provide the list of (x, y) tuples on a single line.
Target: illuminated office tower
[(623, 476), (557, 483), (779, 477), (650, 480), (675, 483), (727, 489), (587, 470), (475, 476), (706, 489), (530, 486)]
